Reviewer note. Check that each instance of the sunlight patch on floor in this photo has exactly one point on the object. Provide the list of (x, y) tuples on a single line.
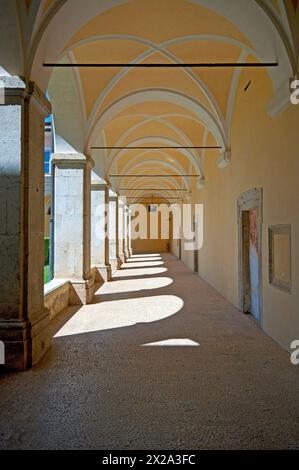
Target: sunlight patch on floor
[(138, 272), (121, 313), (174, 342), (146, 255), (134, 285), (142, 260), (144, 264)]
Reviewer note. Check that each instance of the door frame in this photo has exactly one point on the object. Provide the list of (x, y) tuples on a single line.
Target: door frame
[(252, 199)]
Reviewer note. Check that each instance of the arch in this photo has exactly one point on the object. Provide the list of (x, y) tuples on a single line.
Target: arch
[(64, 94), (156, 194), (166, 200), (162, 172), (153, 48), (147, 187), (245, 15), (185, 138), (162, 95), (174, 168), (166, 141), (159, 47)]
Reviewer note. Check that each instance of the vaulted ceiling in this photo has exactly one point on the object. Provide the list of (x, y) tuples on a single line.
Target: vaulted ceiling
[(162, 107)]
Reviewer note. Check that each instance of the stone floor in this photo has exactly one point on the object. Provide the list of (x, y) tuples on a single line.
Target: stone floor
[(160, 360)]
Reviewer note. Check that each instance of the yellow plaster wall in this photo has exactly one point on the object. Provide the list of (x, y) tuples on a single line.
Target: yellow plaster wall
[(159, 245), (265, 153)]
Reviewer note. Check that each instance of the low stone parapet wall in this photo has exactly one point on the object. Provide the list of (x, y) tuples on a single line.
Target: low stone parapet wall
[(57, 296)]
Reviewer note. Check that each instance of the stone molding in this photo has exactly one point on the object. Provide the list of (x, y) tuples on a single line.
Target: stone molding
[(98, 183), (72, 159), (16, 90)]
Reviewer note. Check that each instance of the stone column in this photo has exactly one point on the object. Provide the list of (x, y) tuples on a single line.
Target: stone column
[(99, 227), (113, 232), (126, 233), (121, 212), (130, 232), (24, 321), (72, 233)]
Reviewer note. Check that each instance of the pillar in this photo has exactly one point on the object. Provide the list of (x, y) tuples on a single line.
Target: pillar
[(24, 321), (72, 223), (99, 227), (114, 259), (121, 212), (126, 233), (130, 232)]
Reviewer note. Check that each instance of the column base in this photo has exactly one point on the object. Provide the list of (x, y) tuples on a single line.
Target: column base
[(119, 263), (122, 258), (25, 343), (82, 292), (104, 272), (114, 264)]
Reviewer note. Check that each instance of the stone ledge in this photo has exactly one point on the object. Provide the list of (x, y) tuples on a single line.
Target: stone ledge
[(55, 284), (57, 296), (61, 293)]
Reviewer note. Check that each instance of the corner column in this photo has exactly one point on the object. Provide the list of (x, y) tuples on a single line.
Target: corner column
[(24, 321), (100, 227), (72, 233)]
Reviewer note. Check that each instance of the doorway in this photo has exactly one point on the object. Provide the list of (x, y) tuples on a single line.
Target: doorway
[(250, 252)]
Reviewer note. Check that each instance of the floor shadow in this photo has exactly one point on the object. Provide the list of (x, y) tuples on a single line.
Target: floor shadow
[(105, 389)]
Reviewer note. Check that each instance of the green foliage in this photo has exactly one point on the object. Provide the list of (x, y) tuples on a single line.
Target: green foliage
[(47, 258), (47, 274), (46, 249)]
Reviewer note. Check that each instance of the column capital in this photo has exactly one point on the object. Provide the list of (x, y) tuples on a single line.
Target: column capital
[(98, 183), (72, 159), (13, 86), (15, 90), (35, 93), (122, 201), (112, 195)]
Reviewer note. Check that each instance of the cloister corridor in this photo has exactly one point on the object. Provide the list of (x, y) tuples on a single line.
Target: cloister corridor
[(158, 360)]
